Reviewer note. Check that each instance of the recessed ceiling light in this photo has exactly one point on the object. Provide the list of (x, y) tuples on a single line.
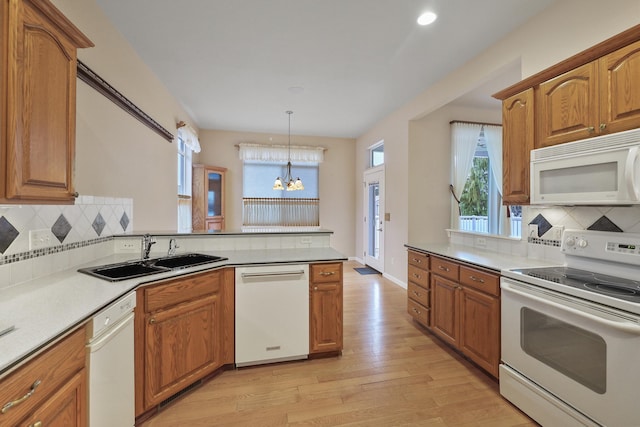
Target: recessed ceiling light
[(427, 18)]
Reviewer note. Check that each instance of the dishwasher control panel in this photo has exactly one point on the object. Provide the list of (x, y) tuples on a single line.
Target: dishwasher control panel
[(114, 312)]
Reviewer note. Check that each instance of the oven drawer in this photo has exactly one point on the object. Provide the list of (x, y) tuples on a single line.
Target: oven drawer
[(444, 268), (480, 280)]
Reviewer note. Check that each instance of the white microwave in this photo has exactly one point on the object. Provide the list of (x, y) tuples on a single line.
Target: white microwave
[(604, 170)]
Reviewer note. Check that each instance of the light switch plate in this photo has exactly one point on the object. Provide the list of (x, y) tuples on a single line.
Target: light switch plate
[(533, 230)]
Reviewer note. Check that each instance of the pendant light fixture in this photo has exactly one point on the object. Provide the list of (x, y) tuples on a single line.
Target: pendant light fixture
[(291, 184)]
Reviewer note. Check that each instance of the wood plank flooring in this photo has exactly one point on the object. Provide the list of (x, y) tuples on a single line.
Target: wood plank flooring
[(391, 373)]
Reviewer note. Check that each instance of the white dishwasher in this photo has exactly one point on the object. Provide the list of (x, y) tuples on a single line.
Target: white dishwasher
[(111, 366), (272, 313)]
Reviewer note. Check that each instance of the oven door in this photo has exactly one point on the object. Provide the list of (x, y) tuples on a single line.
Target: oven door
[(582, 353)]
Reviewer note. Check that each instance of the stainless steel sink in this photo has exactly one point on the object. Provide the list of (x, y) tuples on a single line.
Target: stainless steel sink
[(141, 268)]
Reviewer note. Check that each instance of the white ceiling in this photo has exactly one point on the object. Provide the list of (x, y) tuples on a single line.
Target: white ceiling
[(233, 63)]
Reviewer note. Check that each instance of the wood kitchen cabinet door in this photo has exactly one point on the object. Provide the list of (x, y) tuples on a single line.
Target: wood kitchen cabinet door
[(620, 89), (566, 107), (39, 83), (444, 309), (480, 328), (325, 308), (517, 142), (181, 346)]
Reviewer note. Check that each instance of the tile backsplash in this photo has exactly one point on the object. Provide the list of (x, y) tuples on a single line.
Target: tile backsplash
[(44, 228)]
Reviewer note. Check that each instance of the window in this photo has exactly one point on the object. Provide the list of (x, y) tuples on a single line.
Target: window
[(477, 169), (187, 143), (376, 154), (265, 207)]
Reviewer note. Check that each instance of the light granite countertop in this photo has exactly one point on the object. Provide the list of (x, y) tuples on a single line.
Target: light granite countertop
[(482, 258), (46, 308)]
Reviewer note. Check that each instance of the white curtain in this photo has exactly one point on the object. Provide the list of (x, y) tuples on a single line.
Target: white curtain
[(280, 153), (464, 138), (493, 139), (190, 138)]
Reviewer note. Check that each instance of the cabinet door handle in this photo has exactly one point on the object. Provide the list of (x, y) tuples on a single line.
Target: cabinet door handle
[(440, 267), (10, 405), (476, 279), (152, 320), (36, 424), (327, 273)]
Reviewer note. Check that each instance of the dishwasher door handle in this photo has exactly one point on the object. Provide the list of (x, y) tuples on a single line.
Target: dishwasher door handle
[(271, 274)]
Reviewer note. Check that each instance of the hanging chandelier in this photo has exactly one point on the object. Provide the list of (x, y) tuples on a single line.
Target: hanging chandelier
[(291, 184)]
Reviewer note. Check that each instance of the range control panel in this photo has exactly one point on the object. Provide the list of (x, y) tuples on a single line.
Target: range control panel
[(612, 246)]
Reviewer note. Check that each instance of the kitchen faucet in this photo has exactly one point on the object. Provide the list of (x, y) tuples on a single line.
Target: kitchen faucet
[(147, 241), (173, 245)]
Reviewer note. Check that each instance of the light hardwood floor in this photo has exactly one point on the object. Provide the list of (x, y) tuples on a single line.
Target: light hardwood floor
[(391, 373)]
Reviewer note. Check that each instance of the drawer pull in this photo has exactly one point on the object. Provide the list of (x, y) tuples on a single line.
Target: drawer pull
[(36, 424), (327, 273), (417, 260), (416, 311), (416, 293), (416, 275), (10, 405), (476, 279), (443, 268)]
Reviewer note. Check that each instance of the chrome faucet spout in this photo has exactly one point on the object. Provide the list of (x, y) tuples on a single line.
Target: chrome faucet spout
[(173, 245), (147, 241)]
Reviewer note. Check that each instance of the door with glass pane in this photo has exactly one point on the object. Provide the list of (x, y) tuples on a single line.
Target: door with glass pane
[(208, 198), (374, 218)]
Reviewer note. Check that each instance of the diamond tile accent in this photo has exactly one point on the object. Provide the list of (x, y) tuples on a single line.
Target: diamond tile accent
[(8, 234), (61, 228), (543, 224), (124, 221), (604, 224), (98, 224)]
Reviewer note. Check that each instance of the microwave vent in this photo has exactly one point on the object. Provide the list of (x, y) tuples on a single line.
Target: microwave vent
[(589, 145)]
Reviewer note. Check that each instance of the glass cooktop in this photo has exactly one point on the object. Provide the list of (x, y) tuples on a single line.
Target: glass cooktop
[(611, 286)]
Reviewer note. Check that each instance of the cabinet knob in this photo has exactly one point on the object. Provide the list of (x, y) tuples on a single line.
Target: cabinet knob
[(591, 129), (36, 424), (152, 320), (315, 288), (603, 126), (76, 195)]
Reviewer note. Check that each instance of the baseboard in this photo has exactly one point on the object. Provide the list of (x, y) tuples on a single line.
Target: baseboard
[(395, 280)]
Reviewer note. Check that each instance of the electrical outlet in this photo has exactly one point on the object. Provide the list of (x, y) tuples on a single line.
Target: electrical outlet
[(533, 230), (39, 239), (557, 232), (305, 240), (481, 242), (127, 245)]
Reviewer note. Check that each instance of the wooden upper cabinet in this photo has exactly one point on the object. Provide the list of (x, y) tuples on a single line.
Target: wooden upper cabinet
[(566, 107), (38, 82), (620, 89), (208, 202), (517, 143)]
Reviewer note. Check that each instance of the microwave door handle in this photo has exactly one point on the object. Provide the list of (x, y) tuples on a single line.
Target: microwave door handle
[(629, 173), (628, 328)]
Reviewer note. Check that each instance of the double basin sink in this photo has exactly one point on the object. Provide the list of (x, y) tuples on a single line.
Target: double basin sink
[(146, 267)]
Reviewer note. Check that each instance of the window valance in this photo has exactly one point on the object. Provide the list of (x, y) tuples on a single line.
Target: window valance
[(190, 138), (280, 153)]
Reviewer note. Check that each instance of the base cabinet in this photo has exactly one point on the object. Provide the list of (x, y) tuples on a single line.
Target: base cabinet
[(180, 334), (325, 308), (49, 390), (464, 308), (419, 288)]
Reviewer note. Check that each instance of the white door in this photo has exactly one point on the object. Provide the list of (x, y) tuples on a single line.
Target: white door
[(374, 218)]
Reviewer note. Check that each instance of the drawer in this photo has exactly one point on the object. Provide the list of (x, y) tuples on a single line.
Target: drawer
[(480, 280), (180, 290), (418, 294), (418, 259), (50, 371), (326, 272), (418, 312), (418, 276), (444, 268)]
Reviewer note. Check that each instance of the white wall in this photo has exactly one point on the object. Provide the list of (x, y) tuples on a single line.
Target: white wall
[(116, 155), (563, 30)]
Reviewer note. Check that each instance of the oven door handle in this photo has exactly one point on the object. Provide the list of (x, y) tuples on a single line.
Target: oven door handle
[(624, 327)]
